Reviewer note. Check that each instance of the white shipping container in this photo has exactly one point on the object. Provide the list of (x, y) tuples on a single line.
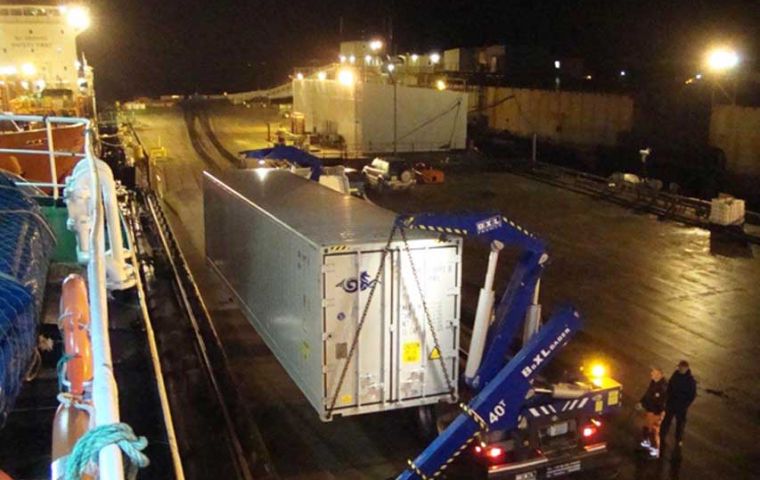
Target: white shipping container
[(301, 261)]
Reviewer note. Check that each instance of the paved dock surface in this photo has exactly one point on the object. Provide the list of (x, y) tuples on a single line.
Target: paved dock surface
[(651, 293)]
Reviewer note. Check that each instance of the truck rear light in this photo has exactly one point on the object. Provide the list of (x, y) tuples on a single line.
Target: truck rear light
[(590, 431), (495, 452), (492, 453)]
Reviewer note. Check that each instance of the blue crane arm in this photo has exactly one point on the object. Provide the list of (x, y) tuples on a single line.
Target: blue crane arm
[(498, 405), (518, 295), (488, 226)]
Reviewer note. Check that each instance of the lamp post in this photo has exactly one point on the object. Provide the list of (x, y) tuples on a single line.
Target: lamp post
[(391, 68), (720, 62)]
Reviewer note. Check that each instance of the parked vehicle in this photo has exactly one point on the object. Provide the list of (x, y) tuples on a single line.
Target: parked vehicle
[(424, 173), (389, 173)]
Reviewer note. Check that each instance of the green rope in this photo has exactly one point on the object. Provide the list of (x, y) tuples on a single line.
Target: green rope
[(88, 447), (61, 369)]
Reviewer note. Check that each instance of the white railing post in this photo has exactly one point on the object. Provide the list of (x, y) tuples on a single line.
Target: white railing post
[(51, 154)]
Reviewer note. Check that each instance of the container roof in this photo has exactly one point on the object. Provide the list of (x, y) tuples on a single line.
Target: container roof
[(321, 215)]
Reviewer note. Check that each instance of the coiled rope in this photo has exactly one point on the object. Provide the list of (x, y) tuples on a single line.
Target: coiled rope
[(88, 447)]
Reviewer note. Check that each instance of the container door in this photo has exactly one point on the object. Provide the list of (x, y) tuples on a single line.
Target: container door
[(348, 279), (420, 364)]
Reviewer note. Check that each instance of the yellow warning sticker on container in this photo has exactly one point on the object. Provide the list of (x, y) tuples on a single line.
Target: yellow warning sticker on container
[(346, 399), (613, 398), (435, 354), (410, 352)]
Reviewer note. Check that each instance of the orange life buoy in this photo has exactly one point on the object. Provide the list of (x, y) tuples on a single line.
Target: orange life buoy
[(75, 323)]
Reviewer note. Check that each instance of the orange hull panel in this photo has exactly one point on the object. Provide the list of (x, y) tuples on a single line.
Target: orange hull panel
[(36, 168)]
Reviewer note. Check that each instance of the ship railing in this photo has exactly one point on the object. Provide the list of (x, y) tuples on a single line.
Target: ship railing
[(51, 151), (105, 395)]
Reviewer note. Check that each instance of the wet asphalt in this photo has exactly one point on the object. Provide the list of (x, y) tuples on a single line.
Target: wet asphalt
[(651, 293)]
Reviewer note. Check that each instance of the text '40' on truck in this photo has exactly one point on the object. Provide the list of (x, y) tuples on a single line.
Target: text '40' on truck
[(517, 424)]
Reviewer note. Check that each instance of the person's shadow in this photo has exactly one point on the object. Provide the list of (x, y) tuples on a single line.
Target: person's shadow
[(648, 469)]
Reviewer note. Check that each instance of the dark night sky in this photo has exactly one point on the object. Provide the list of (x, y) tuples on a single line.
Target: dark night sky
[(176, 46)]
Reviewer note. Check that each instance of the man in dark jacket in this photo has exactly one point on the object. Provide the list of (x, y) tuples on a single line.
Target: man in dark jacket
[(653, 404), (682, 390)]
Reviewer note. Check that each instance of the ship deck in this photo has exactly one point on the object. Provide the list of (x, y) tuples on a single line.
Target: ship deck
[(25, 439)]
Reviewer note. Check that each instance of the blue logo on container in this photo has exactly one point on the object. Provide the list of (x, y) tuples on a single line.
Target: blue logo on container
[(350, 285)]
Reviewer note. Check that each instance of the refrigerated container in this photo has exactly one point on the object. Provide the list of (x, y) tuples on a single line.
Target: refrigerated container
[(301, 260)]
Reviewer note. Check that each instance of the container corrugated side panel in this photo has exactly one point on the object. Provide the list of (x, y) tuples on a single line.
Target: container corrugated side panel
[(274, 274)]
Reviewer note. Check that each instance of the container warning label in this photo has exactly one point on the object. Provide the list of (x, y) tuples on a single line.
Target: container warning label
[(410, 353), (435, 354), (346, 399)]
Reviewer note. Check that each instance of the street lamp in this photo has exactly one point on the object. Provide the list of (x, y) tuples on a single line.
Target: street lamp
[(346, 77), (375, 45), (435, 58), (722, 59)]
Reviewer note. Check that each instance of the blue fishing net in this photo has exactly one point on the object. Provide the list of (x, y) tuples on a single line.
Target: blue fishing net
[(26, 245)]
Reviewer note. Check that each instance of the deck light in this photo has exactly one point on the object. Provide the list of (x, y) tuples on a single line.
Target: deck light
[(28, 69), (78, 17), (322, 75), (375, 45), (435, 58)]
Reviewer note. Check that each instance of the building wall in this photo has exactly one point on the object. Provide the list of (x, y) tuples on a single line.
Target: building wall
[(327, 106), (567, 117), (426, 119), (736, 130)]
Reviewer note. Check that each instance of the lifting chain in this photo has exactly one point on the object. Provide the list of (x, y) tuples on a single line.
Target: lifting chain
[(365, 311), (427, 315), (355, 342)]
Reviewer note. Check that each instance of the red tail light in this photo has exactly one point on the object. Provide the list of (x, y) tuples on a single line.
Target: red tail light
[(589, 431), (492, 453), (495, 452)]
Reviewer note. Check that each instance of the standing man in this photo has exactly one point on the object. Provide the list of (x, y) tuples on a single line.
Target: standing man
[(653, 404), (682, 390)]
